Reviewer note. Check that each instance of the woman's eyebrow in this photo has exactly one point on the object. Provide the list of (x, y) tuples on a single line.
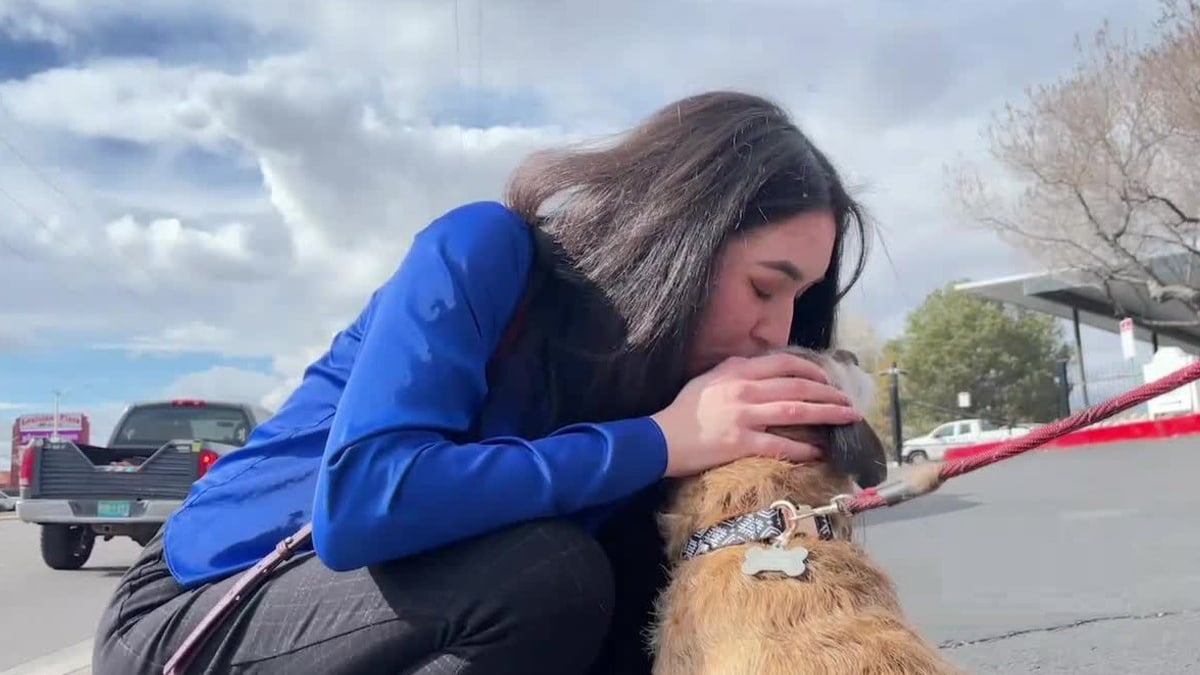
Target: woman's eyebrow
[(784, 266)]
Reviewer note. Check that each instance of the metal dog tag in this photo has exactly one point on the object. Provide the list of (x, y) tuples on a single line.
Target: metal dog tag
[(789, 561)]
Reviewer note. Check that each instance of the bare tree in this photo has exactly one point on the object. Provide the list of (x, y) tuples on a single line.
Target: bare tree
[(855, 332), (1101, 169)]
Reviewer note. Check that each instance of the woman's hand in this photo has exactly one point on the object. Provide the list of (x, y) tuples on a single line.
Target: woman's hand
[(723, 414)]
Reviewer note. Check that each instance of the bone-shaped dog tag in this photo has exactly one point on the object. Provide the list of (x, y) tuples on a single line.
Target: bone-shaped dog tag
[(789, 561)]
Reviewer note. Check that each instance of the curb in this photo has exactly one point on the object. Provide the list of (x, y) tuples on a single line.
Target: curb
[(73, 660), (1102, 434)]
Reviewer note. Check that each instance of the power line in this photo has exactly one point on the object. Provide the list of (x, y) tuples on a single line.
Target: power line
[(84, 260), (29, 164), (44, 178), (4, 242)]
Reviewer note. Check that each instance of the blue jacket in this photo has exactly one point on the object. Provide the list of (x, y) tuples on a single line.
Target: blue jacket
[(363, 447)]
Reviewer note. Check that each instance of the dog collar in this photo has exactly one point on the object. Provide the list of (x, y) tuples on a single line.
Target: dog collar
[(765, 525)]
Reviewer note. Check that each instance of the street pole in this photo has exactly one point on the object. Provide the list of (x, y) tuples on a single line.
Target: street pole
[(58, 394), (54, 428), (893, 374), (1063, 380)]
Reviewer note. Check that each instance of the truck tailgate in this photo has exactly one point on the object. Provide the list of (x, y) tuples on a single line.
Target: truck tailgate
[(63, 471)]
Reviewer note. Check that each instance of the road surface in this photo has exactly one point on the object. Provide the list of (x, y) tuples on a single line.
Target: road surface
[(1067, 561), (46, 610), (1081, 560)]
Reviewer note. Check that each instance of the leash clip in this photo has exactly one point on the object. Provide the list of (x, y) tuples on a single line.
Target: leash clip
[(796, 518), (837, 505), (801, 518)]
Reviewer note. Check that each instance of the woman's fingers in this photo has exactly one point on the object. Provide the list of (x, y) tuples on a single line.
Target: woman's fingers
[(725, 413), (788, 413), (792, 389), (781, 364), (764, 444)]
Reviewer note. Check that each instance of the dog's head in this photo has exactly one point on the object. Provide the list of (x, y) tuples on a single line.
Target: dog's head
[(853, 454), (852, 449)]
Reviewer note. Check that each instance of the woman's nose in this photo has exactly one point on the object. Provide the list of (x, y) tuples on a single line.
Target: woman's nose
[(774, 329)]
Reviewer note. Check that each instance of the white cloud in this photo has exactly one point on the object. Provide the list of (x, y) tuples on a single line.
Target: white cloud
[(223, 383), (191, 336), (136, 100), (347, 126), (20, 24)]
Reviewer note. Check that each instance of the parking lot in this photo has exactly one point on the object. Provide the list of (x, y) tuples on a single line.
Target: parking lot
[(1071, 561)]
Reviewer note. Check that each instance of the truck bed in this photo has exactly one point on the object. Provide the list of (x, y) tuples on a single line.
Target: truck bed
[(65, 470)]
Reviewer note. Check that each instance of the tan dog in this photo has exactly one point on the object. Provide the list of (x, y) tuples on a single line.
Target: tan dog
[(735, 606)]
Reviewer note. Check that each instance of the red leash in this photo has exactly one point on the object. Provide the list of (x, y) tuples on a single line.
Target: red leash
[(925, 478)]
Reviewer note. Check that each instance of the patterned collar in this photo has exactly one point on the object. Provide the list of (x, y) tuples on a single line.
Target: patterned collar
[(759, 526)]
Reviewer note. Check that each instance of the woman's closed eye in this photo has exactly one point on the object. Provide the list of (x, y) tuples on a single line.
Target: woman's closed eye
[(766, 291)]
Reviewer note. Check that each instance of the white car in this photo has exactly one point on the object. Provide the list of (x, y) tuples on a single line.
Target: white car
[(956, 434)]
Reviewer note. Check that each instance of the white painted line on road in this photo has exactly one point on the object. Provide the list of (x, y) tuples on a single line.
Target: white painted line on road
[(1097, 514), (76, 658)]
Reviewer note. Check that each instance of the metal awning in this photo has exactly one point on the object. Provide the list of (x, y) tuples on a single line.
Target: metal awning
[(1080, 295)]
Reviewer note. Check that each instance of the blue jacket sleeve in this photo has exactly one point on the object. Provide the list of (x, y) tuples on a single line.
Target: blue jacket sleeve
[(391, 484)]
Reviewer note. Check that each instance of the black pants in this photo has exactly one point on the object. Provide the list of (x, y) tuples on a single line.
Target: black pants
[(542, 597)]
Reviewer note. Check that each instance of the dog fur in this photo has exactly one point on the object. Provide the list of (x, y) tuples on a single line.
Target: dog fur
[(841, 618)]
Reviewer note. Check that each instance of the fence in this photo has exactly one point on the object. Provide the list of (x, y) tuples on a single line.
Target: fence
[(1102, 381), (1076, 389)]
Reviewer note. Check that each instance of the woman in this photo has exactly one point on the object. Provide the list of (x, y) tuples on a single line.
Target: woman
[(479, 451)]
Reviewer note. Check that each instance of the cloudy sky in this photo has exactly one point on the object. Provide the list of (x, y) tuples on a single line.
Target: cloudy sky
[(195, 196)]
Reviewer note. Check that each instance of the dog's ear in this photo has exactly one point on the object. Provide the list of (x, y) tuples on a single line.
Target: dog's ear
[(844, 356), (856, 450)]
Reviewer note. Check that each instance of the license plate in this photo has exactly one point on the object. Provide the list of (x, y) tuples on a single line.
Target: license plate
[(112, 509)]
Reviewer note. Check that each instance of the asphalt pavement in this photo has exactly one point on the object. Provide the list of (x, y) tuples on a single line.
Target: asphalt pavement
[(1068, 561), (48, 613)]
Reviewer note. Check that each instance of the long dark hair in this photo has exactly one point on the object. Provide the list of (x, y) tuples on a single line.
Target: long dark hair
[(628, 234)]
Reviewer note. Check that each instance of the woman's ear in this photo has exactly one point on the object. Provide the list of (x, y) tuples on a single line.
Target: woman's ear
[(856, 450)]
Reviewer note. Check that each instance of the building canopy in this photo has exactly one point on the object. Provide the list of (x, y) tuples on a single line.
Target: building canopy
[(1084, 296)]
